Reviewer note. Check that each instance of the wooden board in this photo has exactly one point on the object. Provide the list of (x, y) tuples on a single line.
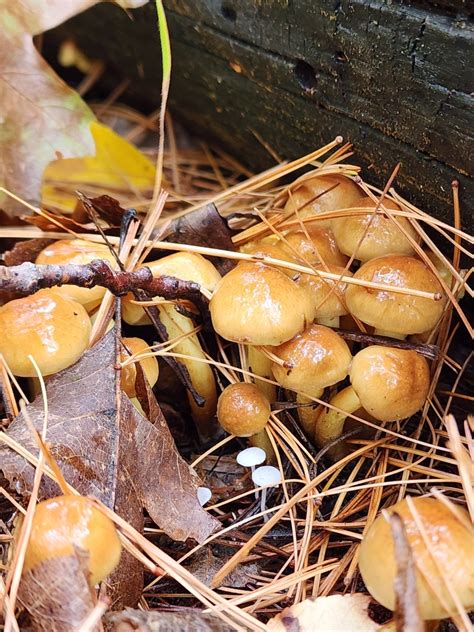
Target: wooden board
[(393, 78)]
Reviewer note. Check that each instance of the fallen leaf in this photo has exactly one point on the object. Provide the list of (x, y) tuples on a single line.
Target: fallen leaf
[(56, 593), (114, 454), (337, 613), (204, 565), (25, 251), (203, 227), (41, 115), (117, 165), (49, 221), (189, 619)]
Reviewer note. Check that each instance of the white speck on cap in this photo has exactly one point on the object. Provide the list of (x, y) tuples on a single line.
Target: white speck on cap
[(251, 456), (266, 475), (204, 495)]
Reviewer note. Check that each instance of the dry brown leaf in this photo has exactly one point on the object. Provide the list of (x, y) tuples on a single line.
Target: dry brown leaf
[(41, 116), (120, 458), (107, 455), (56, 593), (203, 227), (25, 251), (188, 619), (337, 613)]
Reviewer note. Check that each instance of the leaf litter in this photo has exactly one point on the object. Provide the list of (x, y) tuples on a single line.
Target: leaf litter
[(310, 549)]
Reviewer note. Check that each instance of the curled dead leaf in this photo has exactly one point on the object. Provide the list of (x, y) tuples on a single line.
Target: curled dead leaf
[(337, 613)]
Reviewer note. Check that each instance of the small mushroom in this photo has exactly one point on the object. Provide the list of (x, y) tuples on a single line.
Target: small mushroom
[(258, 305), (51, 327), (242, 409), (204, 495), (79, 252), (442, 545), (266, 476), (188, 267), (250, 457), (270, 248), (313, 196), (326, 295), (316, 247), (63, 525), (389, 383), (366, 237), (149, 365), (391, 313), (312, 360)]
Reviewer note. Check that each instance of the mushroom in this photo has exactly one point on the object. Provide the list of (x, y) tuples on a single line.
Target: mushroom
[(66, 525), (242, 409), (250, 457), (320, 194), (326, 295), (312, 360), (391, 313), (366, 237), (316, 247), (149, 365), (269, 247), (389, 383), (79, 252), (204, 495), (258, 305), (188, 267), (51, 327), (266, 476), (441, 540)]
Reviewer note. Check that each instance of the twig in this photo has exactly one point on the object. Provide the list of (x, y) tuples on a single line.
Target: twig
[(429, 351), (28, 278)]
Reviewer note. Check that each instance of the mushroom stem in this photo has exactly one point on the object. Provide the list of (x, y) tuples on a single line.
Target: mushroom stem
[(331, 425), (308, 415), (329, 322), (262, 440), (260, 364), (389, 334)]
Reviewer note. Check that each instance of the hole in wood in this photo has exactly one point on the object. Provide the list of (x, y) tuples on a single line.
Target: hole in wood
[(305, 75), (228, 13), (341, 57)]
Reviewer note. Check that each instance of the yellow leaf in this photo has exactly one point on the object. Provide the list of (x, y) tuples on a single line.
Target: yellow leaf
[(117, 167)]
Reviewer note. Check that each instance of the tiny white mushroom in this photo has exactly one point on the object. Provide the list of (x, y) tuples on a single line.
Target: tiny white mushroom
[(204, 495), (250, 457), (266, 476)]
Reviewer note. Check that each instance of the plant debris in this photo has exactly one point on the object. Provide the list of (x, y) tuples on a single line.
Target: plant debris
[(113, 453)]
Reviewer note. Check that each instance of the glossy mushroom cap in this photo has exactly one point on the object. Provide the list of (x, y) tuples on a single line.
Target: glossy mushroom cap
[(258, 305), (316, 247), (64, 524), (52, 328), (447, 553), (389, 311), (129, 373), (321, 194), (242, 409), (79, 252), (264, 248), (187, 266), (325, 294), (314, 359), (373, 235), (391, 383)]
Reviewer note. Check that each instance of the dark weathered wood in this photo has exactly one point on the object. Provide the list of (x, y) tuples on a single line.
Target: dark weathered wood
[(394, 79)]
